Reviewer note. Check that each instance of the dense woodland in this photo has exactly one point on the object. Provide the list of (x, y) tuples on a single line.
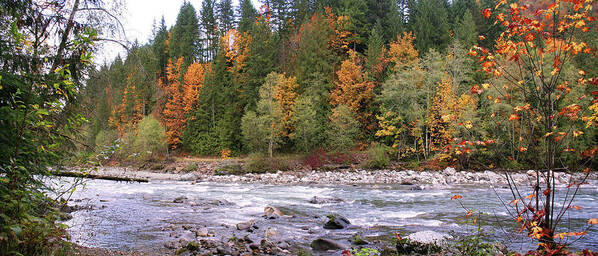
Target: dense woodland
[(300, 76), (477, 84)]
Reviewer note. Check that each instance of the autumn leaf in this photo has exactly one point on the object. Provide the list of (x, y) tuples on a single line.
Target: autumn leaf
[(514, 202), (487, 12), (593, 221), (456, 197)]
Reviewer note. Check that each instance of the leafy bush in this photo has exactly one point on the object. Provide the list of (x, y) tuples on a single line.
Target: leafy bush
[(377, 157), (228, 168), (190, 167), (316, 159), (258, 163), (149, 140)]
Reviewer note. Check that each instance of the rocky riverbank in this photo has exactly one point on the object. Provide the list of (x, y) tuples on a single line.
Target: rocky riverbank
[(448, 176)]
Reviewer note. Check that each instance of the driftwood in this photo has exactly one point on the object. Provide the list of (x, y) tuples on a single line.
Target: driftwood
[(96, 176)]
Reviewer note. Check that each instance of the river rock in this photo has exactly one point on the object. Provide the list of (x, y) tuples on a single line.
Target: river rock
[(416, 188), (449, 171), (272, 234), (325, 200), (189, 176), (202, 232), (428, 237), (271, 212), (336, 221), (245, 225), (325, 244), (179, 199)]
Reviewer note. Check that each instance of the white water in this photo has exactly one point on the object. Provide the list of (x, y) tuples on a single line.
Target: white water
[(133, 215)]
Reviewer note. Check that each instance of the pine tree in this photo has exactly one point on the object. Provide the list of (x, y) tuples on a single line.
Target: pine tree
[(160, 49), (209, 27), (184, 36), (429, 20), (465, 30), (376, 60), (247, 14), (260, 61), (225, 15)]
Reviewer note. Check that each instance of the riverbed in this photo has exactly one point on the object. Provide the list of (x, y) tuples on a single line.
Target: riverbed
[(147, 216)]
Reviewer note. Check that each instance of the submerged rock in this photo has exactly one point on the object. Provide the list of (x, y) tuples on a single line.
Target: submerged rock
[(336, 221), (325, 244), (179, 199), (325, 200)]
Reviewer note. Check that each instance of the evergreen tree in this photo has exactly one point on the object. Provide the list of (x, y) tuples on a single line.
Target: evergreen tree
[(429, 20), (375, 59), (247, 14), (160, 49), (386, 13), (209, 28), (184, 36), (226, 15), (465, 30), (354, 11), (260, 62)]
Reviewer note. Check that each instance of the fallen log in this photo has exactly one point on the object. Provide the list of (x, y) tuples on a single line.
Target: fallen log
[(97, 176)]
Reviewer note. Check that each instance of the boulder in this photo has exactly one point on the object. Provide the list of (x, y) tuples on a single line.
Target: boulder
[(271, 212), (336, 221), (245, 225), (428, 237), (325, 200), (325, 244)]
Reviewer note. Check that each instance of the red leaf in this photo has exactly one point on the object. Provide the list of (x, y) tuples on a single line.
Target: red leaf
[(487, 12), (456, 197)]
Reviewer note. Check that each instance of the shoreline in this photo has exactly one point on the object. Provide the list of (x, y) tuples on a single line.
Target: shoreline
[(448, 176)]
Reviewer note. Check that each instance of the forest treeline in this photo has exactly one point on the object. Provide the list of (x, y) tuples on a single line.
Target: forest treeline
[(301, 76)]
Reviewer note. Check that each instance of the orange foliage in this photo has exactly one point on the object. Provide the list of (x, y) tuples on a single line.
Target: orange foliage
[(444, 112), (130, 111), (192, 83), (402, 52), (173, 113), (236, 47), (286, 96), (353, 88)]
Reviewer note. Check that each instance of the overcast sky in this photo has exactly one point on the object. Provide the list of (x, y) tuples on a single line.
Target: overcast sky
[(139, 18)]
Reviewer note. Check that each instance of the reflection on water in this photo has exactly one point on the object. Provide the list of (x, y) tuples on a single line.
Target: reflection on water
[(137, 215)]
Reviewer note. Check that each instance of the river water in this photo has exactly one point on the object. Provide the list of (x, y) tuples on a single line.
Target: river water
[(140, 216)]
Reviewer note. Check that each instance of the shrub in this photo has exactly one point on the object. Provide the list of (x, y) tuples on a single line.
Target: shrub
[(316, 159), (258, 163), (190, 167), (229, 168), (377, 157), (149, 140)]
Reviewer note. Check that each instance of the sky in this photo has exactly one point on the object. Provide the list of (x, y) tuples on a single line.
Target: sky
[(138, 19)]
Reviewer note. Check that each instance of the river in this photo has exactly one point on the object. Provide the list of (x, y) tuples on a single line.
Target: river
[(141, 216)]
